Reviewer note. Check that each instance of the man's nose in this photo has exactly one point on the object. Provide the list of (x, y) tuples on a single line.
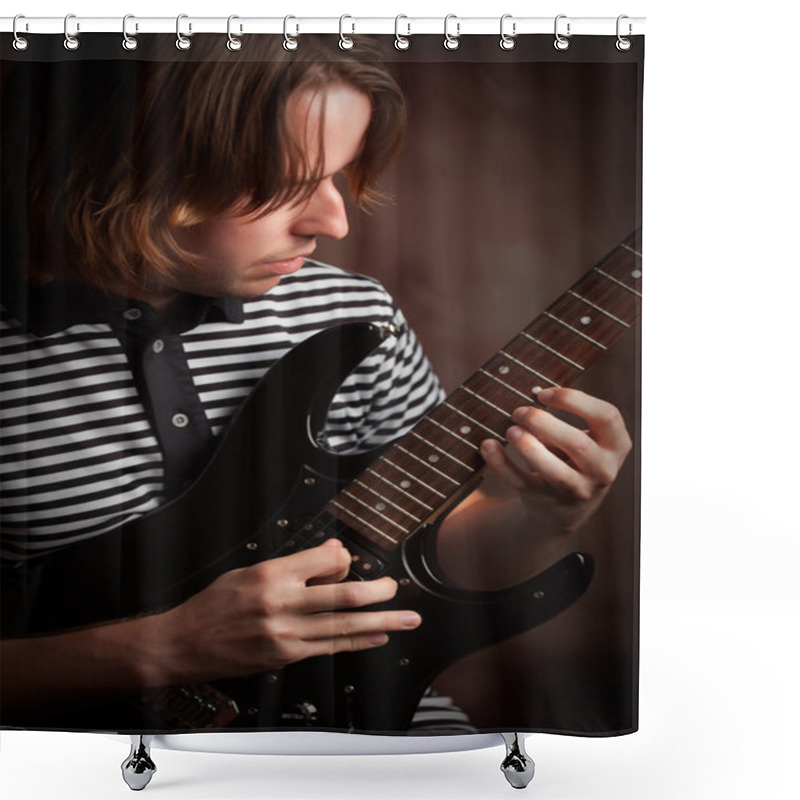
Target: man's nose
[(324, 214)]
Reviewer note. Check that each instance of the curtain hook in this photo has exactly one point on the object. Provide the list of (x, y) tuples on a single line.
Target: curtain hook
[(401, 42), (20, 42), (182, 42), (71, 42), (561, 42), (129, 42), (623, 44), (289, 42), (345, 42), (234, 42), (451, 42), (507, 42)]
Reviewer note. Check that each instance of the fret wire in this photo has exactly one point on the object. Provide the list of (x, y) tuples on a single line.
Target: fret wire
[(486, 402), (443, 452), (619, 283), (475, 421), (631, 250), (399, 488), (504, 384), (386, 500), (374, 511), (454, 434), (530, 369), (413, 477), (428, 465), (363, 521), (601, 310), (575, 330), (554, 352)]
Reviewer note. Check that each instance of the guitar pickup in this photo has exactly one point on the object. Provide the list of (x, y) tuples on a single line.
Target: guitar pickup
[(364, 565)]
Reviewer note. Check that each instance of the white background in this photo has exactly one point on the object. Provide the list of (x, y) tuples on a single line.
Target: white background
[(719, 694)]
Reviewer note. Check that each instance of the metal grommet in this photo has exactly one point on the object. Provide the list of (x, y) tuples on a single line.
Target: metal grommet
[(129, 42), (182, 42), (234, 42), (561, 42), (507, 42), (401, 42), (451, 42), (345, 42), (623, 44), (71, 42), (289, 42), (20, 42)]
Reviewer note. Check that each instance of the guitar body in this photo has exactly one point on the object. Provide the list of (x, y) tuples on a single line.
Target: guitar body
[(263, 494)]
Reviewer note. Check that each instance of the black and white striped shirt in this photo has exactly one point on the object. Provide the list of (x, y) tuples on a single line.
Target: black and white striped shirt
[(108, 408)]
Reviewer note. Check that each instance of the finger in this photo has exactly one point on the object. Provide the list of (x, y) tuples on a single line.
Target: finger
[(547, 470), (335, 576), (495, 456), (335, 625), (351, 594), (329, 647), (604, 419), (578, 446), (328, 560)]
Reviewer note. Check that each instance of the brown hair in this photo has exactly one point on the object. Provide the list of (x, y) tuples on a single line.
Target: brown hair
[(150, 145)]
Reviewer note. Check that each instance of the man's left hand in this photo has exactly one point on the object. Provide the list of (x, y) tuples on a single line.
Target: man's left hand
[(552, 464)]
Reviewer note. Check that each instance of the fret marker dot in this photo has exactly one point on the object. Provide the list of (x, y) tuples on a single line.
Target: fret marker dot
[(465, 429), (433, 458), (637, 273), (504, 370), (405, 484), (380, 506), (536, 389), (585, 320)]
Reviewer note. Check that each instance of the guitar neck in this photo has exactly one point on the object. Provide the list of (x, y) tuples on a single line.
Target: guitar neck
[(422, 473)]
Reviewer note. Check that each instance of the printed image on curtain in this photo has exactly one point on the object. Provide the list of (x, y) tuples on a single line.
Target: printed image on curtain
[(320, 385)]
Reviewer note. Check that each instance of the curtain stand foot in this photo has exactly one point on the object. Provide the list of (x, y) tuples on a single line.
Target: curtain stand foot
[(517, 766), (138, 768)]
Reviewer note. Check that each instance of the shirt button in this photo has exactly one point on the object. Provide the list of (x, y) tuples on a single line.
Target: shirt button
[(132, 314), (180, 420), (158, 345)]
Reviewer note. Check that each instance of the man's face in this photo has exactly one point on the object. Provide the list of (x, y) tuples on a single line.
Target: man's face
[(245, 256)]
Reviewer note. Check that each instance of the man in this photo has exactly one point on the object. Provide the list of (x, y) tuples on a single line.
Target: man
[(166, 269)]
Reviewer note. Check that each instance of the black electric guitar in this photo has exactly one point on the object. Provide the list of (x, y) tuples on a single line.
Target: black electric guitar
[(270, 490)]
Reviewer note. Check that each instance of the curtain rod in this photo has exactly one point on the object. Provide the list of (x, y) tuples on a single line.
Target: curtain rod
[(350, 25)]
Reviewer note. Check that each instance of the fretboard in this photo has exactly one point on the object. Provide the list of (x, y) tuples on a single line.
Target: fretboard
[(421, 473)]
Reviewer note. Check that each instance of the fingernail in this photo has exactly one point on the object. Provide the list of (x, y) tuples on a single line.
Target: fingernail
[(491, 446), (378, 639), (545, 395), (411, 620), (514, 432), (519, 414)]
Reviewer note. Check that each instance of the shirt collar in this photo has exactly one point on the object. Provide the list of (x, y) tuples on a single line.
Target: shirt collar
[(54, 307)]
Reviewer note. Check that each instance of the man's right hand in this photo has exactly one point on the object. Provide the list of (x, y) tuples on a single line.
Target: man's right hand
[(272, 614)]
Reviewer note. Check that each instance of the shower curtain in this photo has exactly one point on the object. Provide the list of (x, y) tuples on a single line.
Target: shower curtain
[(262, 308)]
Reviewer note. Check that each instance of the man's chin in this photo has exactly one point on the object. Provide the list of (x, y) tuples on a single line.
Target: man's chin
[(259, 288)]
